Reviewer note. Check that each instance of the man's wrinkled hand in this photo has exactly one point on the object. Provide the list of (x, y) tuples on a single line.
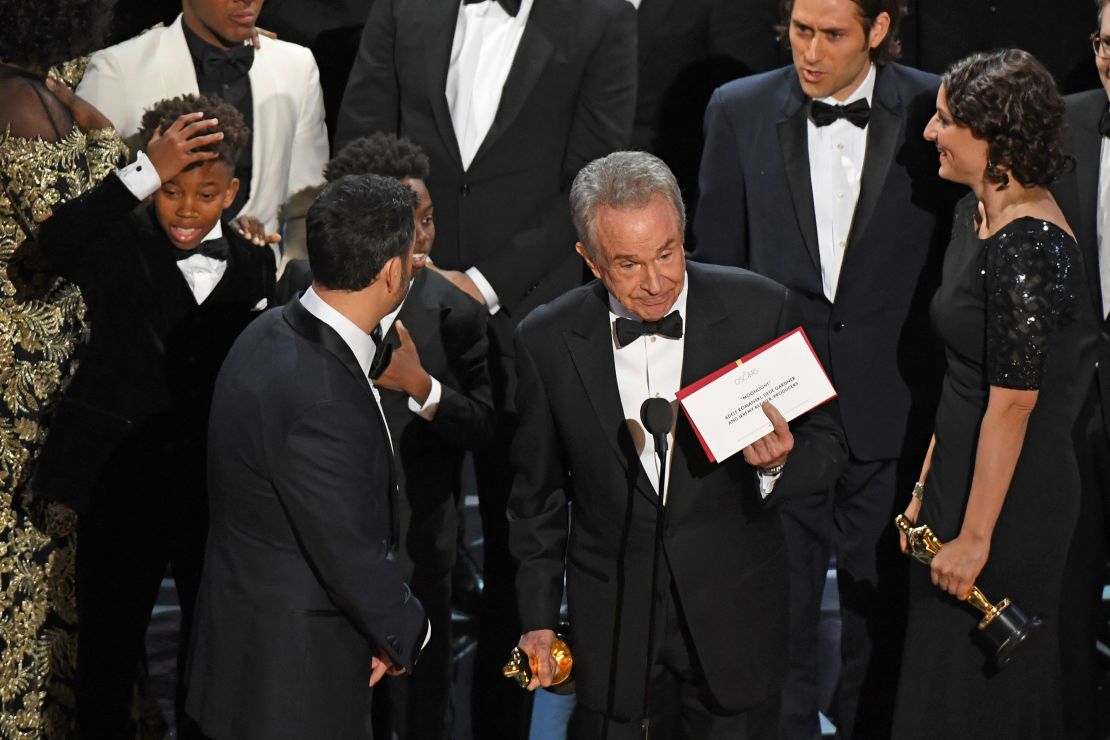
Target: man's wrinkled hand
[(770, 450), (84, 113), (537, 646), (254, 231)]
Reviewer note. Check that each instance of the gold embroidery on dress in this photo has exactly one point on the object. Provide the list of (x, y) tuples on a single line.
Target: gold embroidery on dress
[(40, 333)]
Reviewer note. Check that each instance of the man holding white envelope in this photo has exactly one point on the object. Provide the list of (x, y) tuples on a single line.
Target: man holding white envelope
[(650, 325)]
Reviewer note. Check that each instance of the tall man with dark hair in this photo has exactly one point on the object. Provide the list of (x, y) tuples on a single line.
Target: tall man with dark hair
[(817, 176), (509, 98), (647, 326), (301, 608), (1084, 196)]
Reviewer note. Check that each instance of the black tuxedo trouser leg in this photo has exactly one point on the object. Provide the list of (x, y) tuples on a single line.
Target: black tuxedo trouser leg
[(855, 524), (150, 512), (500, 710), (1081, 592), (681, 704)]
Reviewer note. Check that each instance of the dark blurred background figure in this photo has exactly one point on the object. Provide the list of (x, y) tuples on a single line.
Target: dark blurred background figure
[(1084, 196)]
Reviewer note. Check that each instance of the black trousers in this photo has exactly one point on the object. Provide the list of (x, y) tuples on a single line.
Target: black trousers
[(1084, 574), (854, 522), (681, 704), (150, 511)]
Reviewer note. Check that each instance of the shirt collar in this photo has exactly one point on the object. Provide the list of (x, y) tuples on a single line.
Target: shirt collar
[(865, 91), (359, 341)]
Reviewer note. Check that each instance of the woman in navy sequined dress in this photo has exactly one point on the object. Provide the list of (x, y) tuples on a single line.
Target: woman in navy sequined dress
[(1002, 489)]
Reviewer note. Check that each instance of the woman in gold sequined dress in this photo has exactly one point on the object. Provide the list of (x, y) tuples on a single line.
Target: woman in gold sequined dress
[(50, 151)]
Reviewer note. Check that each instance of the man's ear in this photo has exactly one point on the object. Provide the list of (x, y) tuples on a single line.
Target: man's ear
[(581, 249), (231, 192), (392, 272), (880, 27)]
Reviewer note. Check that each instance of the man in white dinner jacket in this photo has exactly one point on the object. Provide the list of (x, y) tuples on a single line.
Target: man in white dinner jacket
[(276, 87)]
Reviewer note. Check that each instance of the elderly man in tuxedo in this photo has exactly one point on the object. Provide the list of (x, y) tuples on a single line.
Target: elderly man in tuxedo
[(302, 608), (816, 175), (509, 98), (650, 324), (275, 87), (1084, 196)]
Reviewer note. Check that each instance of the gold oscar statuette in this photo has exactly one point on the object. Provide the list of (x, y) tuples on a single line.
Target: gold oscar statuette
[(520, 669), (1004, 626)]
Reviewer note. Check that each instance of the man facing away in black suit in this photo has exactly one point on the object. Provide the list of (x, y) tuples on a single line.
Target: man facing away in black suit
[(1084, 196), (720, 633), (437, 402), (816, 175), (509, 98), (302, 608)]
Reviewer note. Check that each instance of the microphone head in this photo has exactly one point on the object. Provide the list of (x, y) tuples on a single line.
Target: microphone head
[(657, 416)]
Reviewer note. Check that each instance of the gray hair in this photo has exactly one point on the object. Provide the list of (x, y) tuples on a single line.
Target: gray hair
[(620, 180)]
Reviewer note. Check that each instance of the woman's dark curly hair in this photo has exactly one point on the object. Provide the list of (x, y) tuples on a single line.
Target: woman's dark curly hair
[(41, 33), (891, 47), (1008, 99), (236, 133), (379, 154)]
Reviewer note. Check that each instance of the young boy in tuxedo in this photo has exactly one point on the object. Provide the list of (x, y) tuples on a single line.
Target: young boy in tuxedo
[(435, 393), (168, 288)]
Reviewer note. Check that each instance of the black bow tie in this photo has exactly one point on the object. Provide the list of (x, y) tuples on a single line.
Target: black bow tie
[(383, 352), (227, 66), (512, 7), (629, 331), (1104, 123), (857, 113), (214, 248)]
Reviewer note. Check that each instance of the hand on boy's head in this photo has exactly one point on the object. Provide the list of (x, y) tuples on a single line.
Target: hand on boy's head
[(174, 149), (254, 231)]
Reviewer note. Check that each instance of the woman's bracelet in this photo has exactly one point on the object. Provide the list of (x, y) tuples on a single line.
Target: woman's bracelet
[(918, 491)]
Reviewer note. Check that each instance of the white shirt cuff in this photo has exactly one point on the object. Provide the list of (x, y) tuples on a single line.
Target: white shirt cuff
[(767, 482), (427, 411), (140, 177), (493, 303)]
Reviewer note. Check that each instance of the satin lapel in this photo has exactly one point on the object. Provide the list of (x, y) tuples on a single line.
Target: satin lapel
[(440, 19), (794, 145), (883, 131), (265, 86), (175, 62), (590, 345), (541, 33), (1088, 146)]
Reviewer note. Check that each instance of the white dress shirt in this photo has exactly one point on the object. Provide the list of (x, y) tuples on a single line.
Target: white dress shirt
[(486, 40), (482, 52), (836, 154), (649, 367), (427, 410), (1102, 224), (201, 272)]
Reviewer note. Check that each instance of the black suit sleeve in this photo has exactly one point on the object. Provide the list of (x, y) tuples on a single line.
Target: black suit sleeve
[(73, 238), (338, 505), (537, 508), (465, 417), (820, 449), (372, 100), (602, 124), (720, 223)]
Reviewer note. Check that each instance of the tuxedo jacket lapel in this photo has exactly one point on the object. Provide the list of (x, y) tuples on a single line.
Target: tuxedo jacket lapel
[(590, 345), (1088, 145), (317, 332), (441, 17), (883, 133), (175, 62), (546, 22), (793, 137)]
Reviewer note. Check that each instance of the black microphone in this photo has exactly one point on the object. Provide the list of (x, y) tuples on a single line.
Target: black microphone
[(657, 417)]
